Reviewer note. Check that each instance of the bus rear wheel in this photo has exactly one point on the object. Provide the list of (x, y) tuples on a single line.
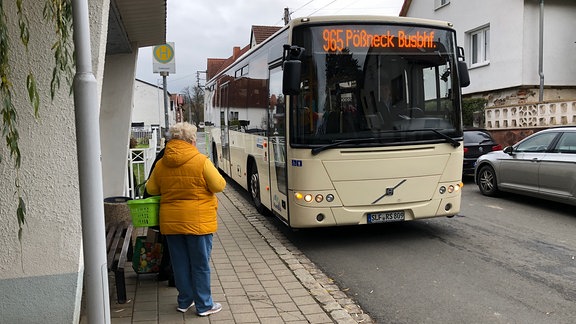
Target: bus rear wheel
[(254, 188)]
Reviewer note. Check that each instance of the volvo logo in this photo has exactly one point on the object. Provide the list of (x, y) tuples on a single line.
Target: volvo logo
[(389, 191)]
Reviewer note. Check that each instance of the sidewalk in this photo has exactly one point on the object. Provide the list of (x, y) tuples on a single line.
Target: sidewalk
[(257, 276)]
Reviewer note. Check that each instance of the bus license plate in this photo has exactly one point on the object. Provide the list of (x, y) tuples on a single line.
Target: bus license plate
[(393, 216)]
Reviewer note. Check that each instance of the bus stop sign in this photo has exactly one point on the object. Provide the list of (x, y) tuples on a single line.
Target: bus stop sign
[(164, 58)]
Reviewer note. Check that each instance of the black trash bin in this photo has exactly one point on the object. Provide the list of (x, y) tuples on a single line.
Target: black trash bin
[(116, 210)]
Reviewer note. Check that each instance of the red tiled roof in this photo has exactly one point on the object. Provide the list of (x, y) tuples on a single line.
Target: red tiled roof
[(261, 33), (216, 65)]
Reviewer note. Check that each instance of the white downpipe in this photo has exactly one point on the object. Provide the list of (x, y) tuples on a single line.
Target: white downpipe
[(541, 52), (87, 110)]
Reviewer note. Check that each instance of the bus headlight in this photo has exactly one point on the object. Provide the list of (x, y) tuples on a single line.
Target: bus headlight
[(317, 197), (442, 190)]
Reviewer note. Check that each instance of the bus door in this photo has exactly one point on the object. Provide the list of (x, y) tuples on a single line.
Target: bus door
[(224, 138), (277, 144)]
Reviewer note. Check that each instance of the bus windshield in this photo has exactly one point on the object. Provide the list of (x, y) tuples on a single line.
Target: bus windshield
[(369, 85)]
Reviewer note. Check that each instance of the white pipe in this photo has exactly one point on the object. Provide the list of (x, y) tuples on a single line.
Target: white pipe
[(87, 111), (541, 53)]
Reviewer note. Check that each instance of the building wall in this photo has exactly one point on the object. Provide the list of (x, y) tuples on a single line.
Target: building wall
[(41, 275), (514, 40), (470, 15), (117, 98), (559, 63), (511, 81), (148, 104)]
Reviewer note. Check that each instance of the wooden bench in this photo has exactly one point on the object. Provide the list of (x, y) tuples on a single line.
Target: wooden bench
[(119, 249)]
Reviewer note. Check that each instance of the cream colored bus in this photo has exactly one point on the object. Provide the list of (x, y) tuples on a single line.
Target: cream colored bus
[(344, 120)]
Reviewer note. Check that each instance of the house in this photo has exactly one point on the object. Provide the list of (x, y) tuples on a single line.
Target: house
[(148, 110), (45, 271), (258, 34), (520, 56)]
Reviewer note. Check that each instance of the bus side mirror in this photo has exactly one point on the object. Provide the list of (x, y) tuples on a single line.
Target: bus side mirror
[(463, 75), (291, 77), (292, 66)]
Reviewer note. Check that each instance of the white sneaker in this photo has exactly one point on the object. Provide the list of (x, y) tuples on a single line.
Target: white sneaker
[(215, 309), (184, 310)]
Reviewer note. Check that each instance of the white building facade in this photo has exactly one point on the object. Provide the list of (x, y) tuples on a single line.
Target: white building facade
[(503, 41), (149, 106), (41, 275)]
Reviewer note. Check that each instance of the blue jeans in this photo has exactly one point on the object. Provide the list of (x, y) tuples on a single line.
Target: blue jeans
[(190, 255)]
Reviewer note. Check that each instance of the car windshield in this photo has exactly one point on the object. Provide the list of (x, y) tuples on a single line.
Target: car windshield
[(375, 95)]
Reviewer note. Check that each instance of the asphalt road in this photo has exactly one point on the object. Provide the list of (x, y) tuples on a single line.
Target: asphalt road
[(503, 260)]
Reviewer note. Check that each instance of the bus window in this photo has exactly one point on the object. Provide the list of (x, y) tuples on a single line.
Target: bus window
[(277, 111), (388, 92)]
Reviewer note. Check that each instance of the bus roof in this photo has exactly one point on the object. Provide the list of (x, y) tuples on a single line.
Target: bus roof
[(369, 18)]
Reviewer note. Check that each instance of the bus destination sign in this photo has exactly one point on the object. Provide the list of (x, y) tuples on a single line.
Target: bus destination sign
[(339, 39)]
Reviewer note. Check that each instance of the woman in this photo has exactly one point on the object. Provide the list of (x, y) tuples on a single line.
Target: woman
[(187, 182)]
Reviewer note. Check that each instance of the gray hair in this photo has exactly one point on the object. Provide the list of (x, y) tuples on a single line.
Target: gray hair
[(183, 131)]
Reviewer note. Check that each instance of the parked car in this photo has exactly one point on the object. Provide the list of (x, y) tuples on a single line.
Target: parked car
[(476, 143), (542, 165)]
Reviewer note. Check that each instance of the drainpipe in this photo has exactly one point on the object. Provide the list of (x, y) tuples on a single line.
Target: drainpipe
[(541, 52), (87, 111)]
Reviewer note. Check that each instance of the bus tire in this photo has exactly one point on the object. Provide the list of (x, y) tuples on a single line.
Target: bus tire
[(254, 188), (487, 181)]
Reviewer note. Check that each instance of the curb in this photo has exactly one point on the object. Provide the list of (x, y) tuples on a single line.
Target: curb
[(339, 306)]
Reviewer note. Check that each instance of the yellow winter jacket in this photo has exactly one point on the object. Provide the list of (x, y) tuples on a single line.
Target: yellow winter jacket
[(187, 182)]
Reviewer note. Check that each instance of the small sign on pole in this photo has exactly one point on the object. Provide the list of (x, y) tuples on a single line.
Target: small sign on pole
[(164, 60)]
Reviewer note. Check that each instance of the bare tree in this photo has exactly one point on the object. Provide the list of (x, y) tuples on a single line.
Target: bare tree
[(193, 104)]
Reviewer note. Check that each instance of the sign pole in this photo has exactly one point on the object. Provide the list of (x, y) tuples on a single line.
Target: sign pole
[(164, 74)]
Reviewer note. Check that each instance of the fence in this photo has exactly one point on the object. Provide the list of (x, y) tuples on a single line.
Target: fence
[(536, 115), (140, 162)]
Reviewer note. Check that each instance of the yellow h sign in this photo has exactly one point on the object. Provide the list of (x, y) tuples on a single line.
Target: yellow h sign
[(164, 58)]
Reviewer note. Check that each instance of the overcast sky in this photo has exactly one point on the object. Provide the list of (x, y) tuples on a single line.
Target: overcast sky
[(202, 29)]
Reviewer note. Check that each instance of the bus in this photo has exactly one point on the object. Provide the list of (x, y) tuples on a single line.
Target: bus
[(344, 120)]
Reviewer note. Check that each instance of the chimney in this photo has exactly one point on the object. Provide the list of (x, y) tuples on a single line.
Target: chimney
[(236, 53)]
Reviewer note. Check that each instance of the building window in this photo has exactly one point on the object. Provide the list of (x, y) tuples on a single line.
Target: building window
[(480, 46), (440, 3)]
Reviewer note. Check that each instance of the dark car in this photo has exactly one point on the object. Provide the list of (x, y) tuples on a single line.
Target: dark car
[(476, 143), (542, 165)]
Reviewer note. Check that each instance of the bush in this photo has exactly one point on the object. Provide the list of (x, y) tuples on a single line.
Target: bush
[(469, 106)]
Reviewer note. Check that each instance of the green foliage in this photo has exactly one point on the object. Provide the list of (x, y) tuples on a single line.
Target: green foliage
[(58, 13), (469, 106)]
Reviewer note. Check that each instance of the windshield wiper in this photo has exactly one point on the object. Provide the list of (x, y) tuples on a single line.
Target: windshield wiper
[(317, 150), (448, 139)]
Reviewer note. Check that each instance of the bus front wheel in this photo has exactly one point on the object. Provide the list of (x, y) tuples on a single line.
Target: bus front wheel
[(254, 187)]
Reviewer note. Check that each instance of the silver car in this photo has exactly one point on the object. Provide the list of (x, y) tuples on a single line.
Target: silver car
[(542, 165)]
